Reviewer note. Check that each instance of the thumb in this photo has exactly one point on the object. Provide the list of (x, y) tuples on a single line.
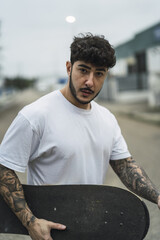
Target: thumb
[(57, 226)]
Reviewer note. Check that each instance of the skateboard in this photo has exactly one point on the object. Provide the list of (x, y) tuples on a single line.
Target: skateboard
[(96, 212)]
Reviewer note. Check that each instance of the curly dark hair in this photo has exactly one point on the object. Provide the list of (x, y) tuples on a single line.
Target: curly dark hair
[(92, 49)]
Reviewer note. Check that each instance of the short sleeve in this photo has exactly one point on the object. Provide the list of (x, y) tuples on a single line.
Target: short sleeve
[(120, 148), (18, 144)]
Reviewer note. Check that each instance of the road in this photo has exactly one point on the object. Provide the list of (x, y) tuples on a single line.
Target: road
[(143, 141)]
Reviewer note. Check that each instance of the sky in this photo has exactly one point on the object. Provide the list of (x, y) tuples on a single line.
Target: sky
[(35, 38)]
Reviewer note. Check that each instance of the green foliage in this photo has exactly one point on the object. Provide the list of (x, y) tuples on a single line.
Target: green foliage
[(19, 82)]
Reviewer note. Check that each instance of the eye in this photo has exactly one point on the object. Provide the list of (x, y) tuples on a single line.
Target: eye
[(99, 74), (83, 70)]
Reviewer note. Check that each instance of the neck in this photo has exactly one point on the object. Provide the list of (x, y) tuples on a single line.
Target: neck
[(68, 95)]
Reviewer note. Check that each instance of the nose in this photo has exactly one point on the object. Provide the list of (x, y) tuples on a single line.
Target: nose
[(89, 81)]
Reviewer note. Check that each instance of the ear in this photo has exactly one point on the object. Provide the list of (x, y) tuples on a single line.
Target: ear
[(68, 67)]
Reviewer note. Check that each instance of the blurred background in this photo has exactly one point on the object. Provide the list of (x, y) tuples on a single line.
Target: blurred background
[(35, 38)]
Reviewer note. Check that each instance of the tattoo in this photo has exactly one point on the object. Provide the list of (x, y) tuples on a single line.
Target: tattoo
[(32, 219), (12, 192), (135, 179)]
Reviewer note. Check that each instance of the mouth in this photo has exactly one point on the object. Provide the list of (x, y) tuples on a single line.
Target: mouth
[(86, 91)]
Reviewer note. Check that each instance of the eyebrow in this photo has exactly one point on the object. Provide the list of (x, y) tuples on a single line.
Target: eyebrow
[(97, 69)]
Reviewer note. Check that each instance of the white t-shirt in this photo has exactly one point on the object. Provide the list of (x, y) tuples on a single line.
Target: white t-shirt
[(62, 144)]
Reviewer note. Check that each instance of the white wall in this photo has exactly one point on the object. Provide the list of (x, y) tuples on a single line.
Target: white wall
[(153, 64), (120, 68), (153, 60)]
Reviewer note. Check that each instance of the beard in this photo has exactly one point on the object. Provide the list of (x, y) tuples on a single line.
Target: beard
[(74, 94)]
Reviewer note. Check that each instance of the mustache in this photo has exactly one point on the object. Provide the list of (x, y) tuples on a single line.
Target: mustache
[(86, 89)]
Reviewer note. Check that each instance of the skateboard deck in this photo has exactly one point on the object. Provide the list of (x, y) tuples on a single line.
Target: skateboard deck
[(94, 212)]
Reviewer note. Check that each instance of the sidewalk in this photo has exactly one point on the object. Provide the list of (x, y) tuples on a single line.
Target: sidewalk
[(6, 101), (138, 111), (19, 98)]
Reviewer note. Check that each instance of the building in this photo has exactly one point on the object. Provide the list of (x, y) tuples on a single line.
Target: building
[(136, 76)]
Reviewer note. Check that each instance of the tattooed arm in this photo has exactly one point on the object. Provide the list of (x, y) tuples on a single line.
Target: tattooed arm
[(135, 179), (12, 192)]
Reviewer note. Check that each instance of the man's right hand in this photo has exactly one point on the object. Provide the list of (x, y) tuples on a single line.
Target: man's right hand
[(12, 191), (40, 229)]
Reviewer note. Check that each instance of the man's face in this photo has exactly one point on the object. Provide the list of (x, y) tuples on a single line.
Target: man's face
[(85, 82)]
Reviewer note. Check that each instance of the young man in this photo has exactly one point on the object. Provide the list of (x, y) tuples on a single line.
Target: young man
[(67, 138)]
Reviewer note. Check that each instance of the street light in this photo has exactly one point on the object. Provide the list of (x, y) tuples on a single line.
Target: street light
[(70, 19)]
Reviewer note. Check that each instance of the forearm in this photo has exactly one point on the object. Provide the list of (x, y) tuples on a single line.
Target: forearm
[(12, 192), (135, 179)]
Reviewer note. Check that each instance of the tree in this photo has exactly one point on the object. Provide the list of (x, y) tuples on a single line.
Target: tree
[(19, 82)]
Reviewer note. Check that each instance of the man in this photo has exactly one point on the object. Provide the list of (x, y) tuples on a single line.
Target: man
[(67, 138)]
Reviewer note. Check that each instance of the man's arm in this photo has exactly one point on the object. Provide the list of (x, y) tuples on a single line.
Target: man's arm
[(135, 179), (12, 191)]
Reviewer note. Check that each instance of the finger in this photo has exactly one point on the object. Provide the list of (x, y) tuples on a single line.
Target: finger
[(57, 226)]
